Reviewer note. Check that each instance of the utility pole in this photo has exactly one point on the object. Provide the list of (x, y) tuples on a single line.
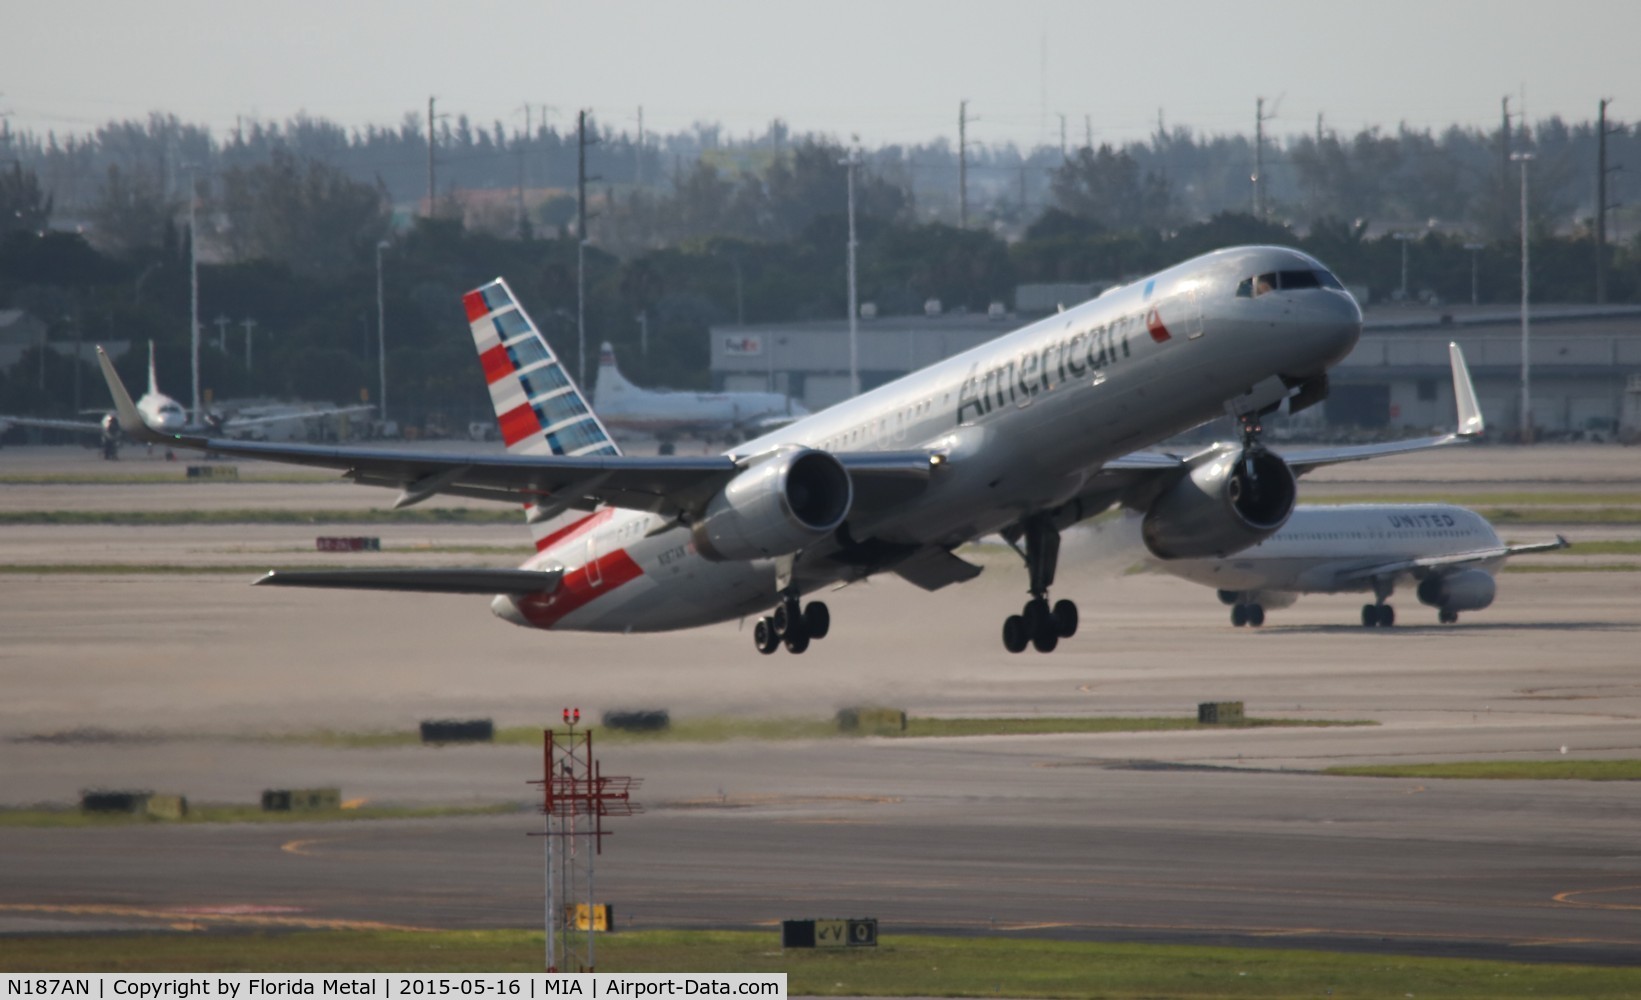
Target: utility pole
[(522, 139), (1601, 172), (638, 169), (430, 143), (1088, 131), (962, 164), (581, 245), (1504, 160), (1062, 138), (1260, 118)]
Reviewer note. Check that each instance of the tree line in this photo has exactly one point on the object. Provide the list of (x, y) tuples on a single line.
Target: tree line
[(291, 233)]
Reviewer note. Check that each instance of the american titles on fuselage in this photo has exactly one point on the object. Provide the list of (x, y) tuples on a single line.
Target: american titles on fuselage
[(1061, 361)]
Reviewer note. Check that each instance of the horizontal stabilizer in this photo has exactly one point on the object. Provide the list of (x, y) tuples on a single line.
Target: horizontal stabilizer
[(426, 581)]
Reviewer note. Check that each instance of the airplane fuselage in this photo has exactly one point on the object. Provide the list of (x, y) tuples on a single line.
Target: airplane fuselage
[(1322, 548), (1024, 421)]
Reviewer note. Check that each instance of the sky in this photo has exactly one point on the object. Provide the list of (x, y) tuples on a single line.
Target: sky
[(886, 70)]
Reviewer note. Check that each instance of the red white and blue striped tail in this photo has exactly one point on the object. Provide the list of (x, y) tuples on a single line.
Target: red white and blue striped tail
[(539, 408)]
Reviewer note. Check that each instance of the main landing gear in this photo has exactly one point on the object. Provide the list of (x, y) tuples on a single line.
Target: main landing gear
[(1247, 614), (1038, 624), (793, 625)]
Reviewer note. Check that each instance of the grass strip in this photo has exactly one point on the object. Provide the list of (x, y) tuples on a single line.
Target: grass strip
[(68, 816), (1503, 770), (909, 965), (374, 515), (1577, 568), (1560, 515), (723, 729)]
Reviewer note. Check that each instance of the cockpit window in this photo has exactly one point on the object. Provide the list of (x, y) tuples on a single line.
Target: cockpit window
[(1250, 288)]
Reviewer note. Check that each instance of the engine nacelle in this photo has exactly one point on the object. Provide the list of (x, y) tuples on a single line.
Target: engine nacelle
[(1465, 590), (1223, 506), (776, 507)]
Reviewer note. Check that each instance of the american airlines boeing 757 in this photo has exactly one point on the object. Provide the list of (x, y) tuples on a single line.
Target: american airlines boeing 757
[(1023, 436)]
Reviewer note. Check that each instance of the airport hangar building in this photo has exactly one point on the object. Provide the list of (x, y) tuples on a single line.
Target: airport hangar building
[(1585, 362)]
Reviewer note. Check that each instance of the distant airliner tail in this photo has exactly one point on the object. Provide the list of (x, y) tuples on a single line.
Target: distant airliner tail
[(153, 379), (609, 378)]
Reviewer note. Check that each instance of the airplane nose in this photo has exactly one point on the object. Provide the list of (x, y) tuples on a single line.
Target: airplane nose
[(1331, 324)]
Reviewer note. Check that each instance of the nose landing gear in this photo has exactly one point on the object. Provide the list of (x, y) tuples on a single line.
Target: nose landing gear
[(1038, 624)]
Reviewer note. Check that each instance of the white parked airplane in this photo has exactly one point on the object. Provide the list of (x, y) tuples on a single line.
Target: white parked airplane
[(1025, 435), (667, 413), (161, 413), (1449, 552)]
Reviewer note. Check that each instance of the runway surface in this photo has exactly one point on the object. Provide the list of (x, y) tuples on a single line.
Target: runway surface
[(155, 680)]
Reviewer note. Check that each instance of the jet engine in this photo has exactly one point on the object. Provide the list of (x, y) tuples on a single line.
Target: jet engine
[(1222, 506), (776, 507), (1465, 590)]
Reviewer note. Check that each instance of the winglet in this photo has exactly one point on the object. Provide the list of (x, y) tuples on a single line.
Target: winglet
[(131, 421), (1464, 395)]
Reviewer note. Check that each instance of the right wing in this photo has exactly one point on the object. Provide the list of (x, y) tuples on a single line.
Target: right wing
[(1426, 564)]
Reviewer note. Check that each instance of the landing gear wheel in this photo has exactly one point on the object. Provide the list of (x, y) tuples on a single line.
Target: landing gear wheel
[(797, 640), (763, 635), (1239, 615), (1448, 617), (1015, 635), (783, 617), (1370, 615), (817, 620), (1065, 618), (1045, 636), (1256, 615), (1387, 616), (1037, 616)]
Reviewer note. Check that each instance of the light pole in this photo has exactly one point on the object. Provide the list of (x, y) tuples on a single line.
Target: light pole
[(193, 291), (249, 325), (1403, 239), (1475, 272), (850, 162), (381, 339), (1526, 334)]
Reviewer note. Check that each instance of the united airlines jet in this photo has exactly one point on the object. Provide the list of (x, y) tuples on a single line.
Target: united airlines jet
[(1023, 436)]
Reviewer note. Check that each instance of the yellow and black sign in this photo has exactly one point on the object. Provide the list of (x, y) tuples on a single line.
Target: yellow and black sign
[(582, 917)]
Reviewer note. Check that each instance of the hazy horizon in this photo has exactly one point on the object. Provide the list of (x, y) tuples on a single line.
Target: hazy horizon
[(72, 66)]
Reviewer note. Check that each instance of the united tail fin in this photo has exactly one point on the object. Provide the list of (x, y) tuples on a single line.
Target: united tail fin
[(539, 408)]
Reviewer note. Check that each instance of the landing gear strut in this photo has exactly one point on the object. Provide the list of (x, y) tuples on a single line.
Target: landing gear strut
[(1039, 624), (792, 624), (1379, 613)]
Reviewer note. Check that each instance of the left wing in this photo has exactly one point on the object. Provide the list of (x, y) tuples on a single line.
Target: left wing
[(670, 485)]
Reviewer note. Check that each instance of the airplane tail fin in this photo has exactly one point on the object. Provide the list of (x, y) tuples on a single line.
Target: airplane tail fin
[(539, 408), (1464, 395), (609, 378), (153, 379)]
